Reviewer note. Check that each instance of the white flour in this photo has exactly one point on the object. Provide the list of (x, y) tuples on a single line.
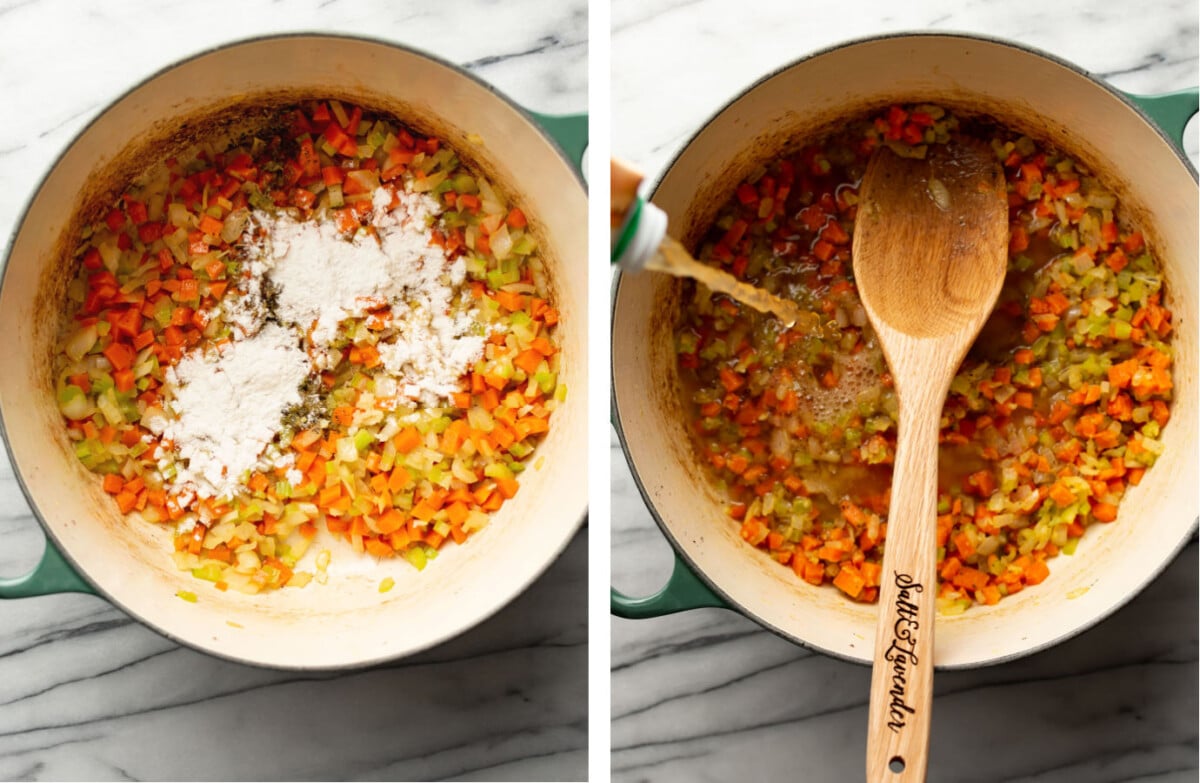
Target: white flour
[(227, 407), (323, 279)]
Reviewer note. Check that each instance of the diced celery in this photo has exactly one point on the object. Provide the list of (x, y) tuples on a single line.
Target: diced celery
[(210, 572), (524, 245), (465, 183), (497, 471), (107, 403), (335, 195), (74, 404), (545, 381), (416, 556), (163, 311)]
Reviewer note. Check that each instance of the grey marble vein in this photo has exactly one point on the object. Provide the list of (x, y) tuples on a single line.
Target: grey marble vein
[(89, 693), (709, 695)]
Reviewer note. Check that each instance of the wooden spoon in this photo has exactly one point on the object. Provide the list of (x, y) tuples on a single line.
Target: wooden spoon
[(930, 252)]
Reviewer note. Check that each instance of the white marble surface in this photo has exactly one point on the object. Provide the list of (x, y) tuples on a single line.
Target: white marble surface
[(88, 693), (710, 696)]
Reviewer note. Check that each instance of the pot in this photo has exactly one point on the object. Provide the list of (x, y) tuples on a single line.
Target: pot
[(347, 622), (1029, 91)]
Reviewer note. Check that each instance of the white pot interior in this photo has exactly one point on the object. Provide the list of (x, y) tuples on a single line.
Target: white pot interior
[(347, 621), (1041, 97)]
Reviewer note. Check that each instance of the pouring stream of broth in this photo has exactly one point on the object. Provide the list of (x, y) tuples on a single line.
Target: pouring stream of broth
[(671, 257)]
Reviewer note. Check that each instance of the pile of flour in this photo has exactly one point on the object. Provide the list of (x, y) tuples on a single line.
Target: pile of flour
[(227, 404)]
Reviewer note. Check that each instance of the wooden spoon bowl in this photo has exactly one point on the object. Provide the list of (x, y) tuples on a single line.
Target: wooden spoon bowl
[(930, 254)]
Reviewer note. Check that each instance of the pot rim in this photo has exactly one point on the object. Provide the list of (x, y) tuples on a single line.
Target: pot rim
[(52, 539), (677, 550)]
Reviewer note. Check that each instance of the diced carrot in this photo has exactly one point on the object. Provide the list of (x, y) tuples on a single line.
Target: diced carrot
[(1018, 239), (509, 301), (210, 225), (853, 514), (423, 510), (329, 494), (407, 439), (121, 356), (1036, 572), (1061, 494), (849, 581), (123, 380), (964, 546), (508, 487), (1069, 451), (126, 502), (1120, 375), (399, 479), (390, 521), (970, 578), (400, 539), (378, 548), (457, 513), (831, 553), (528, 361), (531, 425), (981, 483), (493, 503), (113, 483), (1134, 242)]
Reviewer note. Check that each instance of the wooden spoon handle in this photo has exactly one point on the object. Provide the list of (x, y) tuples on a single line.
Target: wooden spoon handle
[(902, 678)]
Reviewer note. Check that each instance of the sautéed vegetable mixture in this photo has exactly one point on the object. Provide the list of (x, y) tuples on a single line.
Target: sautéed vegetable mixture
[(332, 327), (1057, 409)]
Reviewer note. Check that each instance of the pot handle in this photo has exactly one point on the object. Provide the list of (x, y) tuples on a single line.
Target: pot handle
[(53, 574), (683, 591), (570, 131), (1170, 111)]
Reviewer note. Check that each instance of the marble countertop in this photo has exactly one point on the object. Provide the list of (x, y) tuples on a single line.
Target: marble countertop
[(709, 695), (87, 692)]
